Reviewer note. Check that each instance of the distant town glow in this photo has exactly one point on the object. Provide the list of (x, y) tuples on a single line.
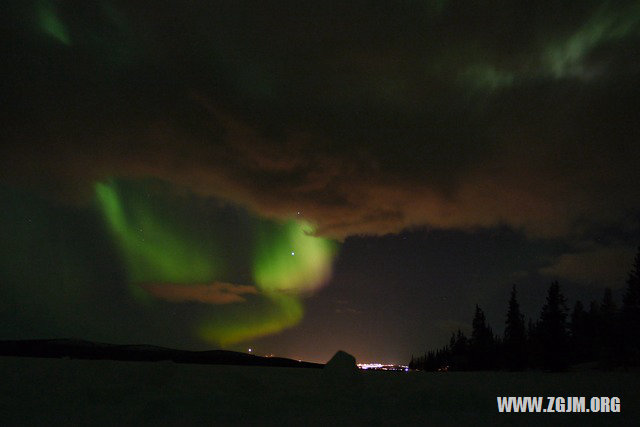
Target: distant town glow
[(382, 367)]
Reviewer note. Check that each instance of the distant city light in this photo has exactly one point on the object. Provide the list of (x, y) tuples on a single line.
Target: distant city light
[(382, 367)]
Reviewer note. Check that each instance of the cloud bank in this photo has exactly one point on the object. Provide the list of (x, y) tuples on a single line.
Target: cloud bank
[(367, 118), (214, 293)]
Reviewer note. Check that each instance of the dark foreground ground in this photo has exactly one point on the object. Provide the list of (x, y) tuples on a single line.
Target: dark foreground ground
[(36, 391)]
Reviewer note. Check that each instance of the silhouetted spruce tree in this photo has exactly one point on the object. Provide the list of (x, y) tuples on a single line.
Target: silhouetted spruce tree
[(431, 363), (514, 342), (630, 316), (498, 361), (552, 330), (443, 358), (481, 345), (608, 331), (421, 362), (580, 335), (533, 345), (459, 348), (593, 325)]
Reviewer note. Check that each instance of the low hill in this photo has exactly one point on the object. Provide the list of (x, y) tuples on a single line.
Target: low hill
[(80, 349)]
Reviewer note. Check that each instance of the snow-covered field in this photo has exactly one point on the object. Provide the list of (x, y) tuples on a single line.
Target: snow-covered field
[(81, 392)]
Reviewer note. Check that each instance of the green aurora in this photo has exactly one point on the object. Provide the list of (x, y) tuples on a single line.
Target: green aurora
[(153, 253), (275, 312), (289, 258), (50, 23), (287, 262)]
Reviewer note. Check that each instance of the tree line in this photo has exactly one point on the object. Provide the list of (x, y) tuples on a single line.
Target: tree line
[(603, 335)]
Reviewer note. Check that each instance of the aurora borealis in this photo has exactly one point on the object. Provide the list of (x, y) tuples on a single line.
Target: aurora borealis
[(172, 263), (152, 251), (289, 258), (304, 177), (50, 23)]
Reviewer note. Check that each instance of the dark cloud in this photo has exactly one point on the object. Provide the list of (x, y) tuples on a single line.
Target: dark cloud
[(368, 118), (214, 293), (594, 265)]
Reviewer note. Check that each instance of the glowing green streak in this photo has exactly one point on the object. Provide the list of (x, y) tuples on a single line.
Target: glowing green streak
[(288, 258), (51, 24), (281, 311), (565, 59), (287, 261), (152, 253), (483, 76)]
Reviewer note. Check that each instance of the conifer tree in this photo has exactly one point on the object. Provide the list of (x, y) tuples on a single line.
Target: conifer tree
[(533, 350), (481, 346), (514, 343), (630, 315), (580, 334), (459, 350), (552, 330), (608, 331)]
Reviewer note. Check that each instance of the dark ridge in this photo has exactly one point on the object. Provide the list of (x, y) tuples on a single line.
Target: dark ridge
[(80, 349)]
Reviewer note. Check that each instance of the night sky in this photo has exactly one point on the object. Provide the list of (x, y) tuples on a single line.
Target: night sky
[(298, 178)]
